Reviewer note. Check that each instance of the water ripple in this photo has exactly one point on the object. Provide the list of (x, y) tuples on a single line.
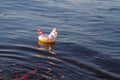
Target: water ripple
[(87, 46)]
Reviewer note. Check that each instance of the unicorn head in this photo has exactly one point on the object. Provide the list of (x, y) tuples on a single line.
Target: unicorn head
[(53, 33)]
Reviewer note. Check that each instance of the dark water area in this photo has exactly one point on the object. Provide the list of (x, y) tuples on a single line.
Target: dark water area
[(87, 47)]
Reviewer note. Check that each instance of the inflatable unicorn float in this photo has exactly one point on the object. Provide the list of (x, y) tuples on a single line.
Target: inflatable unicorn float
[(47, 38)]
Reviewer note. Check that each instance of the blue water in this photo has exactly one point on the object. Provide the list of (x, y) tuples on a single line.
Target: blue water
[(87, 47)]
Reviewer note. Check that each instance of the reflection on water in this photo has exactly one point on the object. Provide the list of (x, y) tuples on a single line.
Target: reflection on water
[(46, 47), (88, 42), (25, 76)]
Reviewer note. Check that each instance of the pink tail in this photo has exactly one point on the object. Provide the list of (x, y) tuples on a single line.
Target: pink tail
[(40, 31)]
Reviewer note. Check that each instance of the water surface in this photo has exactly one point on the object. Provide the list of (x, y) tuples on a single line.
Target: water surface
[(87, 47)]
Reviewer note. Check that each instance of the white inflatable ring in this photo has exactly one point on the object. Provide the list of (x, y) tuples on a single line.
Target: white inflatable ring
[(44, 39)]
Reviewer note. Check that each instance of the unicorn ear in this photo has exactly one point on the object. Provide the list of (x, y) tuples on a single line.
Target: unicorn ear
[(54, 30)]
